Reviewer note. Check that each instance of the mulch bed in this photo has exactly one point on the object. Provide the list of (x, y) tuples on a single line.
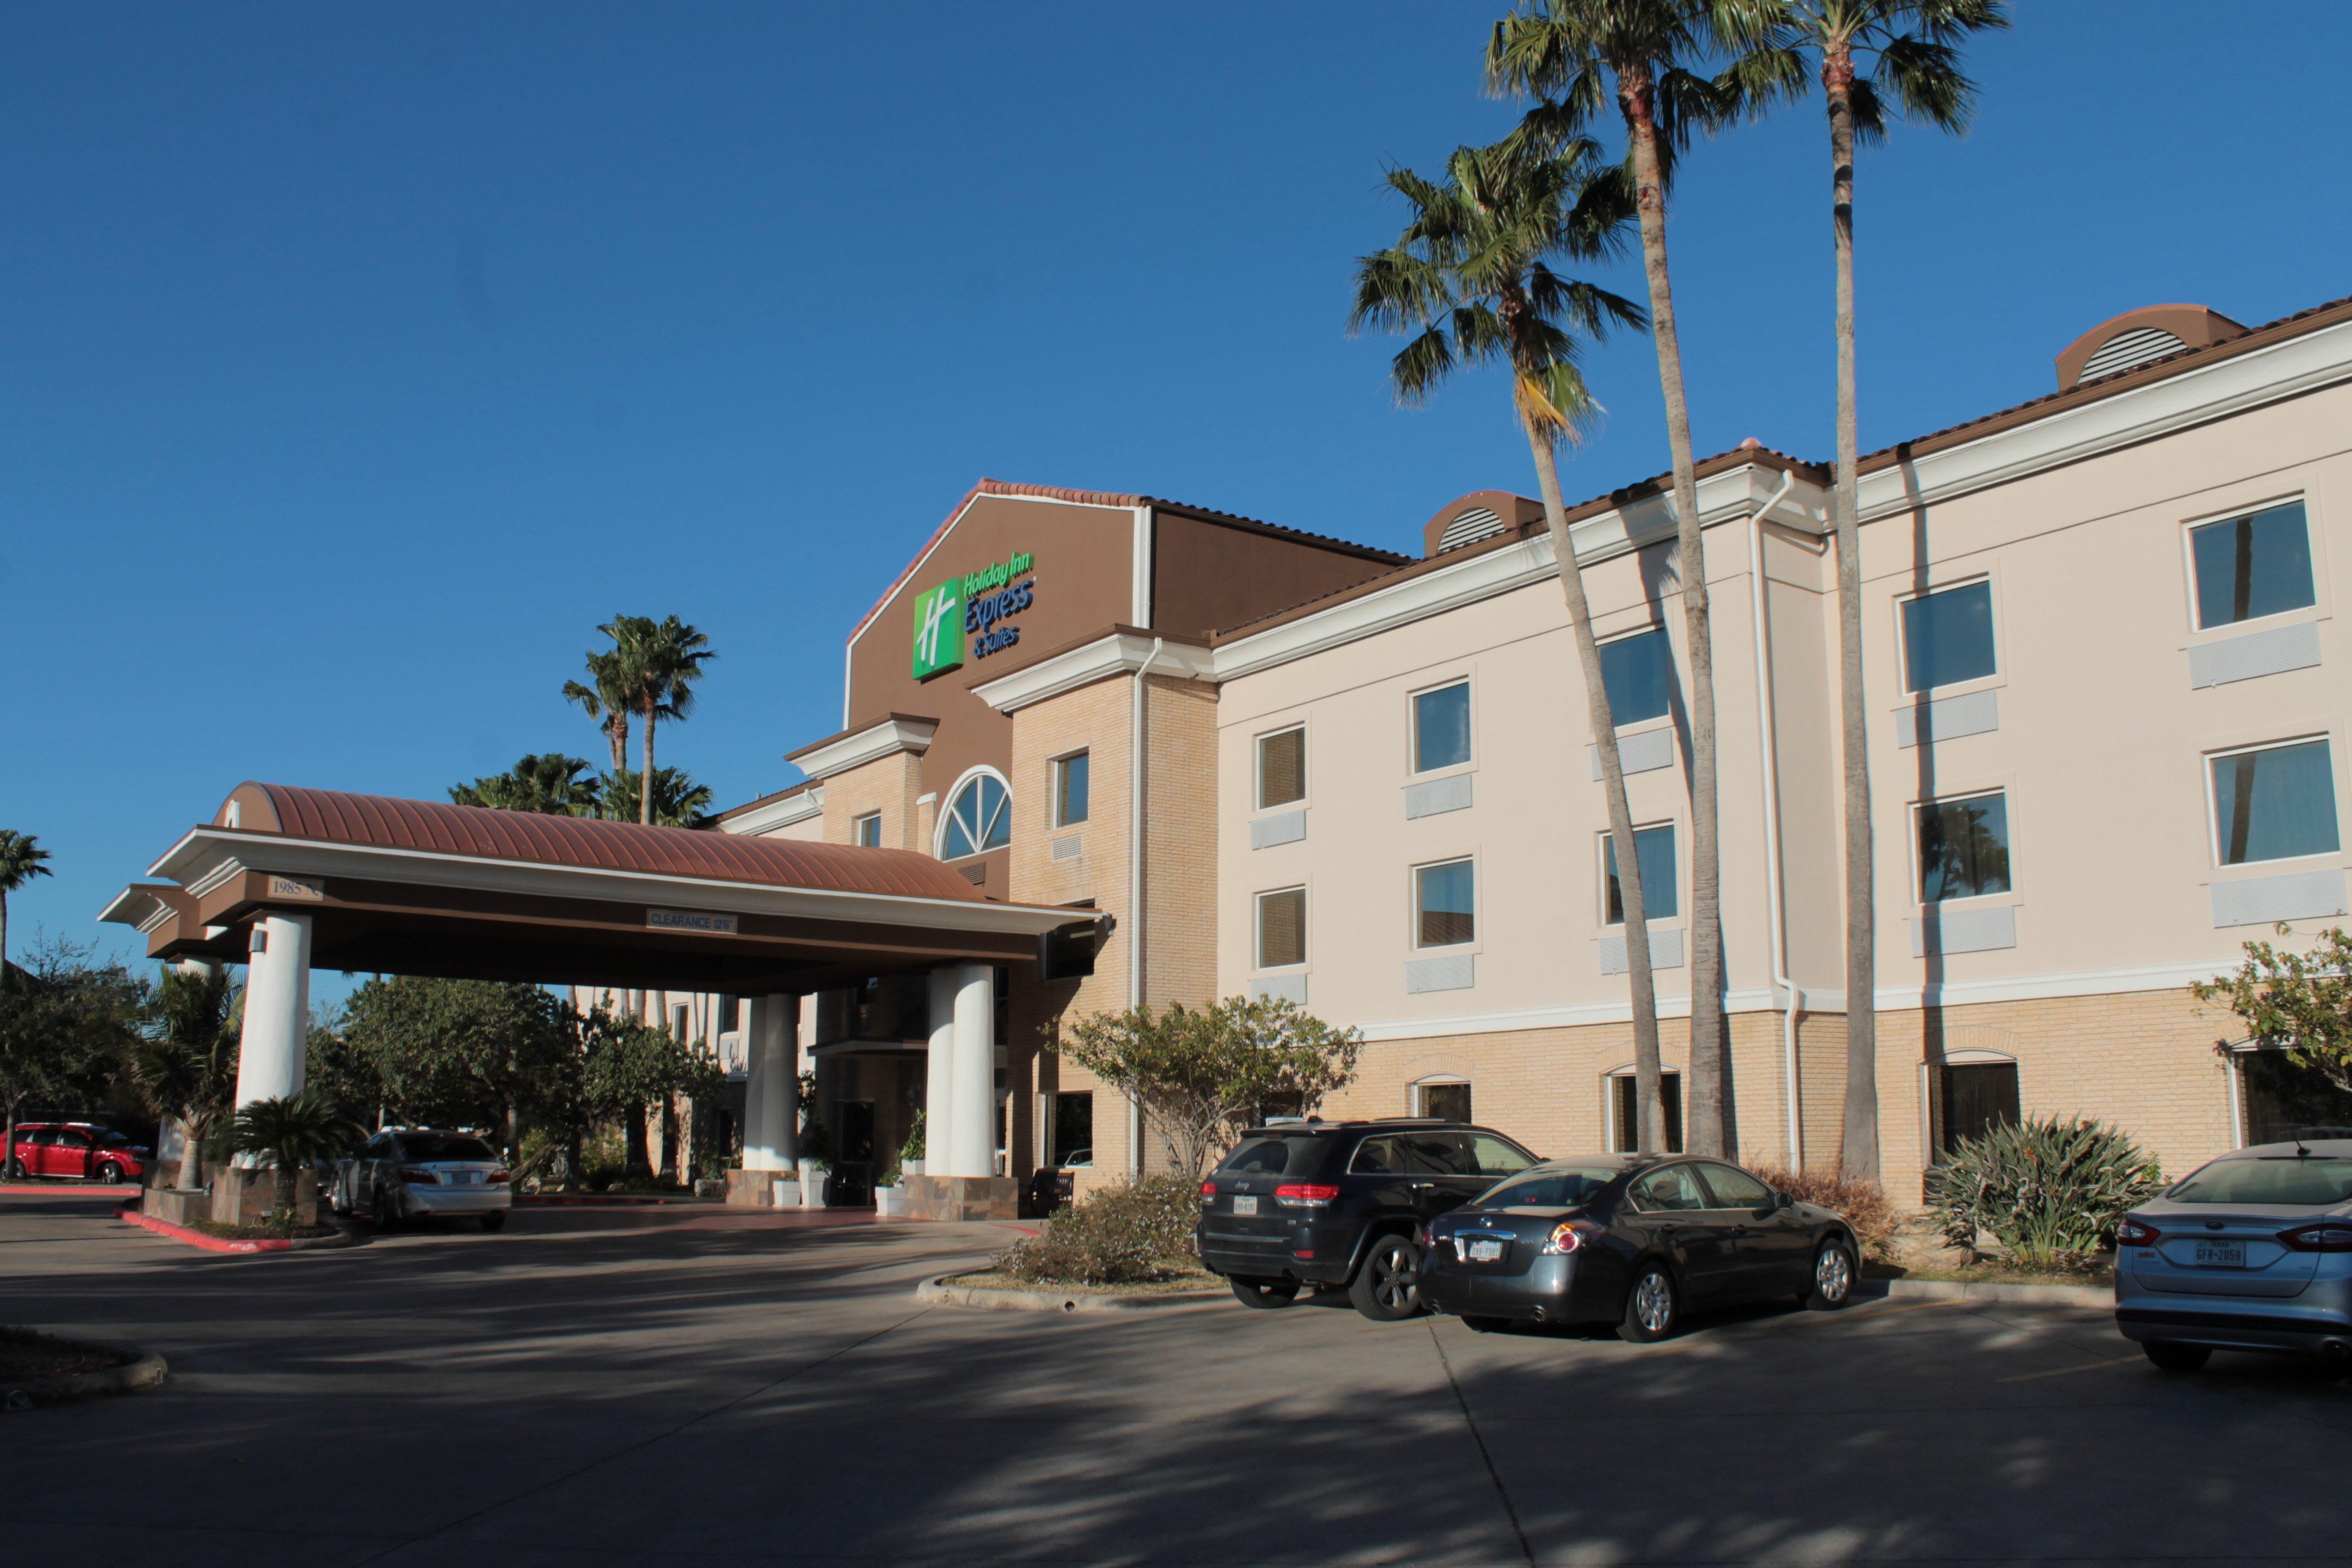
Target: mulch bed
[(260, 1232), (1171, 1283), (1988, 1273), (26, 1354)]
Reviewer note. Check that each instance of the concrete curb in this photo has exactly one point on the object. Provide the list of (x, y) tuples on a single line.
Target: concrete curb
[(2096, 1296), (941, 1291), (67, 1189), (197, 1238), (144, 1373)]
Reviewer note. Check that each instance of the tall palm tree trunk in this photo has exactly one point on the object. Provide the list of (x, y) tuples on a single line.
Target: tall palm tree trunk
[(192, 1158), (646, 784), (1705, 1103), (1651, 1132), (616, 731), (1858, 1154), (4, 943)]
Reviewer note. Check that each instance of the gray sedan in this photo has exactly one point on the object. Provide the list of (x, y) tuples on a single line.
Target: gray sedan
[(2254, 1252), (411, 1171)]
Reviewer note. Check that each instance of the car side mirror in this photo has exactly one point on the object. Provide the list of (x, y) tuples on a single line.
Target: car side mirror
[(1783, 1201)]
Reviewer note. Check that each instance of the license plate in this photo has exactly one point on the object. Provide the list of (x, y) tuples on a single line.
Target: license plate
[(1483, 1249), (2220, 1255), (1245, 1206)]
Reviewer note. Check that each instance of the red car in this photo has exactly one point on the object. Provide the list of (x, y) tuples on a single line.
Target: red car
[(78, 1149)]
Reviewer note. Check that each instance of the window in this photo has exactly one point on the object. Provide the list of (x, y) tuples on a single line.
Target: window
[(2304, 1180), (1383, 1156), (1947, 637), (1554, 1189), (1493, 1156), (1654, 847), (1281, 768), (1734, 1188), (1446, 1102), (1445, 904), (2248, 567), (2273, 804), (1070, 779), (1441, 728), (1676, 1188), (1972, 1099), (1624, 1123), (1073, 1124), (979, 818), (1279, 1154), (1963, 847), (2280, 1097), (867, 830), (1282, 927), (1638, 673)]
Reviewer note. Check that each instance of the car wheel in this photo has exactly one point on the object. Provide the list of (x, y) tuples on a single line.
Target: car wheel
[(1651, 1306), (1387, 1286), (1264, 1294), (495, 1220), (2169, 1357), (111, 1173), (1485, 1325), (1833, 1276)]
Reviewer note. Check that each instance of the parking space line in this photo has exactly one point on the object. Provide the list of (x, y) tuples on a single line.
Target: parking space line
[(2062, 1371)]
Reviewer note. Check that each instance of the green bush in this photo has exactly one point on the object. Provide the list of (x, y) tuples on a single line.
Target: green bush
[(1128, 1235), (1863, 1204), (2049, 1192)]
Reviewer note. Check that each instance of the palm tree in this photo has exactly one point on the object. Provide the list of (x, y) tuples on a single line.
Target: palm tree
[(1910, 48), (549, 783), (1574, 57), (678, 801), (21, 858), (292, 1131), (607, 699), (659, 664), (186, 1063), (1473, 277)]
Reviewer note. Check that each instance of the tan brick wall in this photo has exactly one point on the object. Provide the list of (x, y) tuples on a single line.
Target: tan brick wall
[(1179, 877), (887, 784)]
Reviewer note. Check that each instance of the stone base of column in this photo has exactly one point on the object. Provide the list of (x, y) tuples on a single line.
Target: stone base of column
[(243, 1196), (755, 1189), (173, 1206), (961, 1197)]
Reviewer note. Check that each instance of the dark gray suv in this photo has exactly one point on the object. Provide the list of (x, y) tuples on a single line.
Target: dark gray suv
[(1332, 1205)]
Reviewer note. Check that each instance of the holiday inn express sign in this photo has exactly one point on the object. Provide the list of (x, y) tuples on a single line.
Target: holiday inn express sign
[(978, 605)]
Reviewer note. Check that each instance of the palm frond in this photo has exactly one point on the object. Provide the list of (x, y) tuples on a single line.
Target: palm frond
[(1420, 367), (1926, 83)]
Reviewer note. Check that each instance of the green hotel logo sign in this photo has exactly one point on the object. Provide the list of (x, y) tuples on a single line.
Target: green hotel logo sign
[(975, 605)]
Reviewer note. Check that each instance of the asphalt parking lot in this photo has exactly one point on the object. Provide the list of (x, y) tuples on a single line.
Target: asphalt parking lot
[(656, 1385)]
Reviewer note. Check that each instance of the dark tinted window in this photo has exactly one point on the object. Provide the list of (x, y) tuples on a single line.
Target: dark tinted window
[(1947, 637), (1978, 1097), (1734, 1189), (1673, 1188), (73, 1138), (1274, 1155), (44, 1137), (1494, 1156), (426, 1146), (2317, 1180), (1638, 673), (2252, 566), (1550, 1189), (1446, 1102), (1443, 1154), (1386, 1155)]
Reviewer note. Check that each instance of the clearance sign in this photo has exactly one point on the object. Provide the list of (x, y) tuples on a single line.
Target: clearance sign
[(979, 605)]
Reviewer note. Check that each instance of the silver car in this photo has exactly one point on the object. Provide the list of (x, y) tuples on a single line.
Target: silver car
[(2253, 1252), (411, 1171)]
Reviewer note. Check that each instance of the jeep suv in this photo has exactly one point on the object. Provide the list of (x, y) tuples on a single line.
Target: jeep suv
[(1333, 1205)]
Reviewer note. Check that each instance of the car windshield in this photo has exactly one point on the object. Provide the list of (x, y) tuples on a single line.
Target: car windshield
[(1550, 1189), (2269, 1179), (427, 1147), (1275, 1155)]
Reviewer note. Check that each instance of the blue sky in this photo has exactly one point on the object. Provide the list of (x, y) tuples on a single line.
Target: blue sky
[(361, 359)]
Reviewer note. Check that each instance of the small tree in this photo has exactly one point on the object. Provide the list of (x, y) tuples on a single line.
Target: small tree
[(627, 1066), (2299, 1002), (1204, 1075), (290, 1133), (477, 1052), (67, 1024), (186, 1064)]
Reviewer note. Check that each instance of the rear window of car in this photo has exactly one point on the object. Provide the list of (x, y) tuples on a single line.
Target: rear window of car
[(1276, 1154), (1550, 1189), (2316, 1179), (415, 1148)]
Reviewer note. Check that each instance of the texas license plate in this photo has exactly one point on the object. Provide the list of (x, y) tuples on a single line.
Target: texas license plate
[(2220, 1255), (1483, 1249), (1245, 1206)]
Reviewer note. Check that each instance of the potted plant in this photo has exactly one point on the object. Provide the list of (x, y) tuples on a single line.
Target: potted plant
[(813, 1171), (910, 1153), (890, 1197), (786, 1192)]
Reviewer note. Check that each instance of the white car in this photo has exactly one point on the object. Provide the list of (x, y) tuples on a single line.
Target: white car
[(411, 1171)]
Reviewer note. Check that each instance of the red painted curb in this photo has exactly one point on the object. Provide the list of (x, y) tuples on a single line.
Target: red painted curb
[(593, 1200), (164, 1227), (71, 1189)]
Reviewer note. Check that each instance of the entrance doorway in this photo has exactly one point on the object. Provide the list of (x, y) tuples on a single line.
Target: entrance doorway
[(852, 1176)]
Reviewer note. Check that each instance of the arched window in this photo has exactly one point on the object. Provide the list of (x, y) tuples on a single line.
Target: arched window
[(979, 818)]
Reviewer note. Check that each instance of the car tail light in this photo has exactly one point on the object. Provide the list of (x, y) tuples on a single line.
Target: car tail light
[(498, 1178), (2327, 1235), (419, 1175), (1304, 1194), (2137, 1233), (1208, 1189), (1568, 1235), (1303, 1252)]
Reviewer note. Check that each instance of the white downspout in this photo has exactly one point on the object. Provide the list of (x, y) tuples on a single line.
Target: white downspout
[(1135, 889), (1767, 751)]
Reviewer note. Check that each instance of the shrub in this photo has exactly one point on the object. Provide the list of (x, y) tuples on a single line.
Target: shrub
[(1128, 1235), (2049, 1192), (1863, 1203)]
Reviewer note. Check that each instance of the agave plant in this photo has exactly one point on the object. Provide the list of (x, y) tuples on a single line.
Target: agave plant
[(2049, 1191)]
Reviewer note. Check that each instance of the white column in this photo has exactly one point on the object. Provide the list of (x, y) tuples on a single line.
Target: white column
[(772, 1134), (971, 1138), (276, 1038), (939, 1083)]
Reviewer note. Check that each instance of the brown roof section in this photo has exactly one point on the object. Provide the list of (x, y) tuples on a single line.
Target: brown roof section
[(337, 817), (767, 799)]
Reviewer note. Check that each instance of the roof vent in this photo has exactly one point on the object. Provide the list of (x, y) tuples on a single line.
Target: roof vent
[(2140, 337), (1469, 526)]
